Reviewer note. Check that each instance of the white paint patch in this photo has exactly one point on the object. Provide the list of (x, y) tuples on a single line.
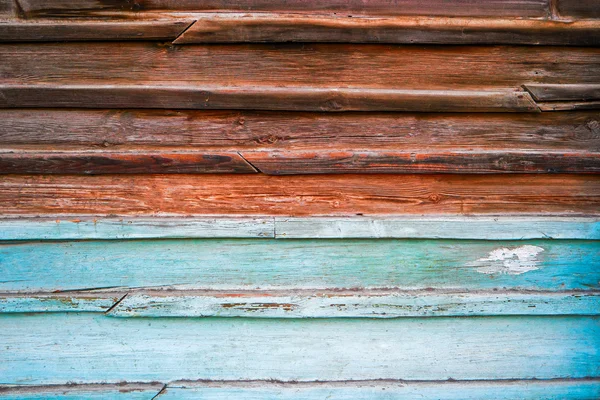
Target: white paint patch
[(515, 261)]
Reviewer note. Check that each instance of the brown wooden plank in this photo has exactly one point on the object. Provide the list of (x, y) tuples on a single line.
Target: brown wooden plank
[(8, 8), (301, 66), (62, 30), (549, 92), (232, 28), (420, 161), (578, 8), (298, 195), (517, 8), (165, 129), (264, 98), (122, 163), (569, 105)]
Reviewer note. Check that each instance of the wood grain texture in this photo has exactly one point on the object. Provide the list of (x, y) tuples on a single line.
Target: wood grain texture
[(390, 162), (66, 30), (247, 264), (122, 391), (136, 162), (164, 195), (541, 92), (519, 8), (264, 98), (124, 129), (55, 348), (578, 8), (261, 27), (377, 390), (58, 302), (485, 228)]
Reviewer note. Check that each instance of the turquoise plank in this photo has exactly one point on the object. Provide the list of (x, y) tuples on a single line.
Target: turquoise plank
[(83, 348), (86, 392), (227, 264), (376, 390)]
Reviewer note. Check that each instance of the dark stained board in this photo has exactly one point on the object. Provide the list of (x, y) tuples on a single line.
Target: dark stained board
[(578, 8)]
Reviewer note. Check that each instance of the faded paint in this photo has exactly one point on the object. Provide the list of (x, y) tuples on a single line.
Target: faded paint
[(514, 261)]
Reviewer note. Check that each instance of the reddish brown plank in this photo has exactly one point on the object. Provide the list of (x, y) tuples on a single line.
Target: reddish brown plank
[(165, 129), (232, 28), (298, 195), (63, 30), (264, 98), (518, 8), (122, 163), (578, 8), (420, 161)]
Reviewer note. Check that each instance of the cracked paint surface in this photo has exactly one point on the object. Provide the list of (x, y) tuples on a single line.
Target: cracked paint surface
[(514, 261)]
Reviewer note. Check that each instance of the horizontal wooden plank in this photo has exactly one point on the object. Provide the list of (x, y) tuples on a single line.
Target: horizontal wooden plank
[(264, 98), (62, 30), (578, 8), (122, 391), (238, 264), (320, 68), (568, 106), (484, 228), (390, 162), (58, 302), (520, 8), (326, 195), (122, 129), (542, 92), (57, 348), (376, 390), (354, 304), (261, 27), (135, 162)]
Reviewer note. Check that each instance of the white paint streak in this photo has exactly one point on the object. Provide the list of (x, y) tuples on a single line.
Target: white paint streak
[(514, 261)]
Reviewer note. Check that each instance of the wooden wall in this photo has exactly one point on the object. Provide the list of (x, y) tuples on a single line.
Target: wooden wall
[(256, 199)]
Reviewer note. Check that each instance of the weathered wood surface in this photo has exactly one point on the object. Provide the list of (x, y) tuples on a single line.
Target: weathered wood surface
[(164, 195), (123, 129), (122, 391), (544, 92), (568, 106), (578, 8), (404, 227), (55, 348), (58, 302), (238, 264), (79, 30), (377, 390), (260, 27), (519, 8), (133, 162)]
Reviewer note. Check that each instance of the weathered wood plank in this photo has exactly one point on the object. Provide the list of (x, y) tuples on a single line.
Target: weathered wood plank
[(519, 8), (543, 92), (63, 30), (55, 348), (319, 67), (169, 195), (121, 129), (237, 264), (122, 391), (484, 228), (133, 162), (264, 98), (578, 8), (260, 27), (377, 390), (569, 106), (418, 161), (352, 304), (58, 302)]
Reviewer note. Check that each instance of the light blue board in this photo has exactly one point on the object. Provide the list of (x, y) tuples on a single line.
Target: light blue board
[(58, 348), (60, 302), (269, 263), (519, 390), (123, 392)]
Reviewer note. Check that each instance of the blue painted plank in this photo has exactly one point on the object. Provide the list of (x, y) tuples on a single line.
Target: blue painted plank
[(85, 392), (377, 390), (240, 264), (58, 302), (57, 348)]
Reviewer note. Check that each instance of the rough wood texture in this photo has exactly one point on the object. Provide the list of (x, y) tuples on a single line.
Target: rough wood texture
[(58, 302), (518, 8), (122, 391), (138, 349), (544, 92), (376, 390), (63, 30), (485, 228), (578, 8), (232, 28), (298, 195), (238, 264), (124, 129), (138, 162)]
